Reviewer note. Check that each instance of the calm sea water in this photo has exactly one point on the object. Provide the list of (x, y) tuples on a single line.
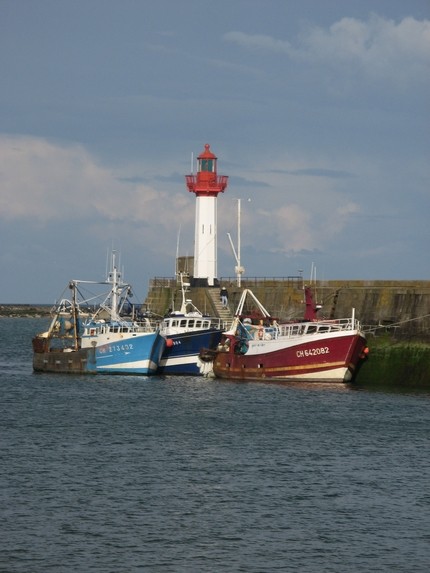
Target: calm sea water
[(127, 474)]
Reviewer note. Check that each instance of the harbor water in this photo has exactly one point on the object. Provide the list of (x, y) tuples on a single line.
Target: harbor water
[(180, 474)]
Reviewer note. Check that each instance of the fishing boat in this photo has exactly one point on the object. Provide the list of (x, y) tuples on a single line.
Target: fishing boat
[(187, 331), (258, 347), (98, 333)]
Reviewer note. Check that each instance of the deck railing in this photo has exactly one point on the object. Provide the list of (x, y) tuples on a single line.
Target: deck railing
[(290, 330)]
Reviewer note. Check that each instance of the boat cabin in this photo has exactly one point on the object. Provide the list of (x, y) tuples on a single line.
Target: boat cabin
[(178, 324)]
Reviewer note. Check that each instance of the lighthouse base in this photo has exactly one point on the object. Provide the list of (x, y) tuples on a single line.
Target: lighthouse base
[(199, 282)]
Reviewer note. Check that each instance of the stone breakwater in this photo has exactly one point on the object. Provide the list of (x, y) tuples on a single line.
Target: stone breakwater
[(24, 310), (396, 363), (401, 308)]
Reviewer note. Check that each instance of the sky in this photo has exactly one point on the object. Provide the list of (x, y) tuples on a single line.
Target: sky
[(318, 111)]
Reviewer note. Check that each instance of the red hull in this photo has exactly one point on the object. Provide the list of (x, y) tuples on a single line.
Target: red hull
[(330, 359)]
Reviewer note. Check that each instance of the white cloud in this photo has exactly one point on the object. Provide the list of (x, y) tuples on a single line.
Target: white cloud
[(45, 181), (339, 218), (293, 225), (258, 42), (302, 209), (46, 186), (378, 47)]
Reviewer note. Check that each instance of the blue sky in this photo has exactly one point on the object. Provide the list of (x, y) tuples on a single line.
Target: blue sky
[(318, 111)]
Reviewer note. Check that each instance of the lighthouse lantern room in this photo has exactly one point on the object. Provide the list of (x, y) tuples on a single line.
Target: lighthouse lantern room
[(206, 185)]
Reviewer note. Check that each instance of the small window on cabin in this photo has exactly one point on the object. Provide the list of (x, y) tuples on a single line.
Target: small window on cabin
[(198, 323), (183, 323)]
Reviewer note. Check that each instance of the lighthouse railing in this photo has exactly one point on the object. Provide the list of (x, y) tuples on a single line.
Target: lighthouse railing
[(217, 182)]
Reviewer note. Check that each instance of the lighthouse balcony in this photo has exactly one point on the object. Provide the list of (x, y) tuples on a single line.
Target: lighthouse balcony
[(197, 184)]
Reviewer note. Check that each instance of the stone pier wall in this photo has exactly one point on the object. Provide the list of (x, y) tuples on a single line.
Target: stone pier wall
[(402, 307)]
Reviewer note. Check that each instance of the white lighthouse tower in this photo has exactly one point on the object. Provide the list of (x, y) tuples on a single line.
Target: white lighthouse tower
[(206, 184)]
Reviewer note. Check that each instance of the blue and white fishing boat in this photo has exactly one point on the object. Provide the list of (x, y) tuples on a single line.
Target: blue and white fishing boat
[(98, 333), (187, 332)]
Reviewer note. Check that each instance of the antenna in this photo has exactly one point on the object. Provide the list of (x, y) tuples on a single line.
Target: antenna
[(107, 266), (177, 251), (239, 270), (313, 276), (313, 280)]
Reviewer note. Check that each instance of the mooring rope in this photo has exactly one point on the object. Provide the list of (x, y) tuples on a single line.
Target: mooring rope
[(394, 324)]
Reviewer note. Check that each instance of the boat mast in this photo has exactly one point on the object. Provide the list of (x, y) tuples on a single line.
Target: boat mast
[(75, 315), (185, 301), (114, 276)]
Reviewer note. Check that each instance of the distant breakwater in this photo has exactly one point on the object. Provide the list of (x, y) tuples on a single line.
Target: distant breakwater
[(24, 310)]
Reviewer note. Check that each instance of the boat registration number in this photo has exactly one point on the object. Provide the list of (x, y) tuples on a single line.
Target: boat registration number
[(116, 348), (312, 352)]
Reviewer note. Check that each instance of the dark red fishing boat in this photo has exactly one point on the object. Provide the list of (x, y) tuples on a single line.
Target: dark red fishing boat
[(312, 350)]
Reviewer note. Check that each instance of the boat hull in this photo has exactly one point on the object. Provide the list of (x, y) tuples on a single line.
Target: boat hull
[(181, 354), (136, 355), (64, 361), (334, 358)]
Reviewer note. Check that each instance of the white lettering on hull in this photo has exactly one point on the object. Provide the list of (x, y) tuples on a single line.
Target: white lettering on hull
[(313, 352)]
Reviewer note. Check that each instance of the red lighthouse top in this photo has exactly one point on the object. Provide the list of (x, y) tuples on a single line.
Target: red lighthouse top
[(206, 183)]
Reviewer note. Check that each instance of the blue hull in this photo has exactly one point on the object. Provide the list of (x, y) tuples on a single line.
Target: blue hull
[(131, 355), (137, 355), (181, 357)]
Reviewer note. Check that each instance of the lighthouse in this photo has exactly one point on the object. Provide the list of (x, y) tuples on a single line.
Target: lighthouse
[(206, 185)]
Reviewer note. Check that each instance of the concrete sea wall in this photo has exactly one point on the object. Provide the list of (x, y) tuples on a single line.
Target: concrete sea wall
[(401, 307), (396, 363)]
